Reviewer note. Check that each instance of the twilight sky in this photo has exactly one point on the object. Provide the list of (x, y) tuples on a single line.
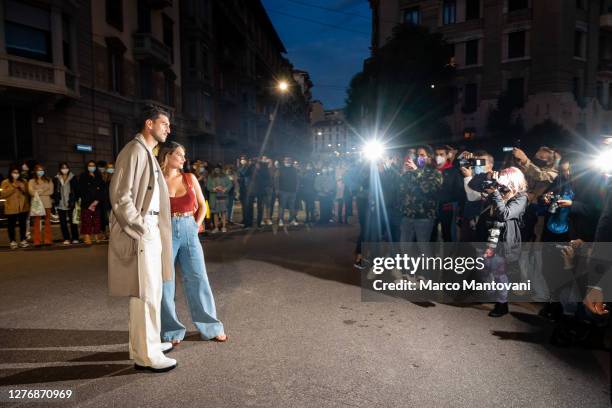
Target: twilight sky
[(330, 55)]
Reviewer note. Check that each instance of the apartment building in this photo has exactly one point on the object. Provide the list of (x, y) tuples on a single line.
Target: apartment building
[(551, 57)]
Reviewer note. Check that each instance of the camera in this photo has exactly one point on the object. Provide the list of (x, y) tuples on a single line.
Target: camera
[(554, 203), (494, 234), (485, 181), (472, 162)]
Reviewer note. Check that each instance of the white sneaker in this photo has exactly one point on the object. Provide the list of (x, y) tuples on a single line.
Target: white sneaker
[(28, 236), (268, 222), (223, 229), (24, 244), (281, 223), (295, 223), (76, 241), (66, 242), (166, 346), (215, 230), (14, 245), (166, 365)]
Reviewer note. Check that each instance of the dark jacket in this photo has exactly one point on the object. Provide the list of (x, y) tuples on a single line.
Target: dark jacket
[(262, 180), (287, 179), (509, 213), (307, 182), (57, 193), (91, 188)]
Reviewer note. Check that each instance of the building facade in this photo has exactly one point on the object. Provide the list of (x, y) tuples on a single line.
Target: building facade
[(74, 75), (551, 57), (331, 136)]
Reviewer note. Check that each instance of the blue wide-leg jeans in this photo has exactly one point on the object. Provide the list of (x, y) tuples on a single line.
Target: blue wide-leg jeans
[(187, 249)]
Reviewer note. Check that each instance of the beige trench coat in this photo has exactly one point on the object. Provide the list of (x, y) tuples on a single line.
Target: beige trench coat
[(131, 189)]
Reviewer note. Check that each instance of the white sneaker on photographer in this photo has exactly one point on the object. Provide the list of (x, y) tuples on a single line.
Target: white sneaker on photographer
[(24, 244), (14, 245)]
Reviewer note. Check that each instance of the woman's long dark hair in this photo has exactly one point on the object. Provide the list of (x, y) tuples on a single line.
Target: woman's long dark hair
[(165, 150)]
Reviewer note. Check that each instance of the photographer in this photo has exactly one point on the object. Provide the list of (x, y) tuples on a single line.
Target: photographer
[(470, 165), (499, 225)]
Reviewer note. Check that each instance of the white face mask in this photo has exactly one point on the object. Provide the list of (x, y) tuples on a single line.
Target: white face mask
[(15, 175), (440, 160), (65, 171)]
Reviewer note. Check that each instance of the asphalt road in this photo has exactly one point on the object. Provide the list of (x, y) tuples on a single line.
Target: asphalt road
[(300, 336)]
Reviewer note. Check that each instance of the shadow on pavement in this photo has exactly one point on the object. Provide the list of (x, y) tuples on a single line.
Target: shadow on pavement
[(18, 346), (63, 373), (32, 338)]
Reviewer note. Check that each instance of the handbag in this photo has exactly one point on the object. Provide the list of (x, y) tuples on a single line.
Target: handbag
[(76, 213), (37, 209)]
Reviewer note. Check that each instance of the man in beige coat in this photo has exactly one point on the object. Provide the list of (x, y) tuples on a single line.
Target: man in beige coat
[(140, 247)]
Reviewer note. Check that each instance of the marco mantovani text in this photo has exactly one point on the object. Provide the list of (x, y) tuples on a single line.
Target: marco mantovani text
[(404, 284)]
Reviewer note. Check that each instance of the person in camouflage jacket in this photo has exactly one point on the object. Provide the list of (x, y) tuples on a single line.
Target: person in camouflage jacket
[(419, 189)]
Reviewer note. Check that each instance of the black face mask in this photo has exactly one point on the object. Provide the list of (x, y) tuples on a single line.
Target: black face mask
[(539, 162)]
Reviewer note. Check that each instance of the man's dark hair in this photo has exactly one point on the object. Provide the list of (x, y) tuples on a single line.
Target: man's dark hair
[(445, 148), (152, 112)]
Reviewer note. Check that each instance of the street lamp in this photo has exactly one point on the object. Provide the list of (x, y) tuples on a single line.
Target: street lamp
[(283, 86)]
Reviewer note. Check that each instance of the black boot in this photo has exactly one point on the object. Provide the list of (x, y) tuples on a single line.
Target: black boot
[(499, 310)]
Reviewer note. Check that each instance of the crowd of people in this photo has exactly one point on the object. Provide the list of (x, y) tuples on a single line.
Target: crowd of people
[(33, 196)]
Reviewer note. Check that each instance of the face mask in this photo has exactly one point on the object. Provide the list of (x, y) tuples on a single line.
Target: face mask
[(24, 168), (479, 169), (101, 169), (440, 160), (421, 161), (243, 162), (110, 171), (323, 171), (539, 162), (308, 168), (91, 169), (40, 173), (287, 164), (64, 171), (276, 164), (202, 170), (15, 175)]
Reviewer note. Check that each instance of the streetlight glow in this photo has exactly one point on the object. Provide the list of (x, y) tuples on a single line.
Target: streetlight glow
[(283, 86)]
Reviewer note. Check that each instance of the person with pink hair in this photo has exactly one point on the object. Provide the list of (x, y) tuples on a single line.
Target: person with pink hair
[(505, 206)]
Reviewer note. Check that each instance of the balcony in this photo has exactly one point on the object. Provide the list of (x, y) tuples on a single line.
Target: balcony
[(149, 49), (159, 4), (605, 21), (32, 75)]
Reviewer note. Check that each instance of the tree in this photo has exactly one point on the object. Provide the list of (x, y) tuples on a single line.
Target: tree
[(404, 89), (502, 124)]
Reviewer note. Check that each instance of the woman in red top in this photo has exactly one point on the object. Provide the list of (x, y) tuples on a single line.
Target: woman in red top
[(188, 210)]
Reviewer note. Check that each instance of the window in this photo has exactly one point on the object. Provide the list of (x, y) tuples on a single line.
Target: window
[(471, 52), (516, 44), (114, 13), (144, 17), (66, 40), (579, 44), (146, 81), (168, 34), (27, 31), (470, 98), (16, 140), (449, 12), (412, 16), (516, 92), (514, 5), (115, 70), (472, 9)]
